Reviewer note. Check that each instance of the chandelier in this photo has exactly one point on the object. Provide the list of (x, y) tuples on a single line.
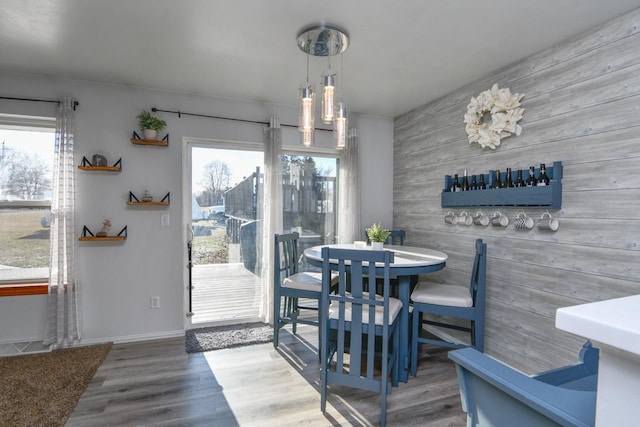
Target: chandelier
[(323, 40)]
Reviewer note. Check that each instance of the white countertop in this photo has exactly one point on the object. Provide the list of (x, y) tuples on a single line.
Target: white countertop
[(614, 322)]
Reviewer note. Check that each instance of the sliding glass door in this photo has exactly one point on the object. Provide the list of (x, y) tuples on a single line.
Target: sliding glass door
[(224, 217), (225, 282)]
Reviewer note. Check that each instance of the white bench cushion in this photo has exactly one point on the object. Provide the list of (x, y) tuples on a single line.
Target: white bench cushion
[(307, 281), (442, 294), (394, 308)]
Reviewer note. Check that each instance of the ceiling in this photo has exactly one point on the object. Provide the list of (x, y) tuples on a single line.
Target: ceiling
[(402, 54)]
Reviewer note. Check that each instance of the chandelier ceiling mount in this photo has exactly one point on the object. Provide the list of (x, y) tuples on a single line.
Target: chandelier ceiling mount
[(323, 40)]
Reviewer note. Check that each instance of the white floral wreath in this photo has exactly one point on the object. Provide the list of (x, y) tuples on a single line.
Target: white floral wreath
[(505, 113)]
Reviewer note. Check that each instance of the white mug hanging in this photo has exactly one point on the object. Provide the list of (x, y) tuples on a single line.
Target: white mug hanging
[(547, 222)]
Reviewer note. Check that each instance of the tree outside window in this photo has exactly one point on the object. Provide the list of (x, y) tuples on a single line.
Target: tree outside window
[(26, 164)]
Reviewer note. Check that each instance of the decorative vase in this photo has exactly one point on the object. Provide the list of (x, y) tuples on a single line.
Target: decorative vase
[(99, 160), (377, 246), (149, 133)]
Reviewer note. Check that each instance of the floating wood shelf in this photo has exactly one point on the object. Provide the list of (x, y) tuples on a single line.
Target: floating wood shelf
[(100, 168), (134, 201), (546, 197), (136, 139), (148, 203), (86, 165), (101, 239), (88, 236)]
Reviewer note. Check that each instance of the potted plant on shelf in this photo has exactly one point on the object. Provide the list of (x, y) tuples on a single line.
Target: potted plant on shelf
[(377, 236), (150, 124)]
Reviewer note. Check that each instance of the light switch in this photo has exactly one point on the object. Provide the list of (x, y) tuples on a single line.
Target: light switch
[(164, 220)]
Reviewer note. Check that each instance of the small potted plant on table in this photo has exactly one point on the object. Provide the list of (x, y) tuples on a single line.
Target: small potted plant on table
[(150, 124), (377, 236)]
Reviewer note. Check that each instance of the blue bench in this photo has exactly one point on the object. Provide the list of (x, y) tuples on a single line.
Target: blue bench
[(494, 394)]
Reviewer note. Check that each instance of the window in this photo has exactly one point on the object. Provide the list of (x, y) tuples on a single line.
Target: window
[(310, 198), (26, 168)]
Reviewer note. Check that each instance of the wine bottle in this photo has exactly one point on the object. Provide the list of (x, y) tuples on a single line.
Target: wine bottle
[(455, 187), (474, 184), (532, 181), (519, 181), (507, 182), (482, 185), (497, 183), (543, 179), (465, 182)]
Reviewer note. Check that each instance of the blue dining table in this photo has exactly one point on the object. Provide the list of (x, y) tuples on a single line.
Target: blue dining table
[(409, 262)]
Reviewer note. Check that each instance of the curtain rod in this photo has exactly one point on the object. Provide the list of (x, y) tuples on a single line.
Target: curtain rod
[(11, 98), (182, 113)]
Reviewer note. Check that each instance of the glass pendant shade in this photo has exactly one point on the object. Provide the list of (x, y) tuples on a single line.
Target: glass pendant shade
[(307, 111), (328, 97), (340, 127), (307, 136)]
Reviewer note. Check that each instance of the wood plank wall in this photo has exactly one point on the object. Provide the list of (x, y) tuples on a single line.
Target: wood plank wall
[(582, 107)]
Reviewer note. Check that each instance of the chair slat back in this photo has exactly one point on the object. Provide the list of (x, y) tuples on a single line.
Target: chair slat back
[(396, 237), (477, 285), (285, 257), (354, 267)]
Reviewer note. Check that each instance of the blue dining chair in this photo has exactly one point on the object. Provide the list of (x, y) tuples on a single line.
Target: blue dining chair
[(495, 394), (453, 301), (395, 238), (359, 330), (290, 285)]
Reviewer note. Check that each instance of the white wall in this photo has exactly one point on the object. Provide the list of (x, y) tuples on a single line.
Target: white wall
[(376, 176), (118, 279)]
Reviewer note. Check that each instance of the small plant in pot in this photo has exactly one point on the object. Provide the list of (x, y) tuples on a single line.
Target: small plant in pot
[(150, 124), (377, 236)]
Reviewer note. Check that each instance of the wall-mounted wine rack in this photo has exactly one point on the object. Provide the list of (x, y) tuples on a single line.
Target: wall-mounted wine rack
[(546, 197)]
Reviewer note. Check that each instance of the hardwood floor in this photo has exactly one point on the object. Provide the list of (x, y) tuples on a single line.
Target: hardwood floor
[(155, 383)]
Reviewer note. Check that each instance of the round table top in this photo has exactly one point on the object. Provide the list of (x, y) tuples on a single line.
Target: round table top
[(405, 256)]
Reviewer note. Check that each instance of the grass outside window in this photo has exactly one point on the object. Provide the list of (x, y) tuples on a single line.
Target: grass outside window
[(24, 251)]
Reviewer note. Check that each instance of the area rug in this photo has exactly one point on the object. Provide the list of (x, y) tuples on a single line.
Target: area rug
[(219, 337), (43, 389)]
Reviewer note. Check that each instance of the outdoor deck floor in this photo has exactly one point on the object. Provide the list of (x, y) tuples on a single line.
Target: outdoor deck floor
[(225, 293)]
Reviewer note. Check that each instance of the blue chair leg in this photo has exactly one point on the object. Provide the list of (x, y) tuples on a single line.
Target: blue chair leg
[(276, 319), (383, 407), (294, 315), (319, 336), (395, 373), (323, 375), (477, 327), (474, 335), (415, 333)]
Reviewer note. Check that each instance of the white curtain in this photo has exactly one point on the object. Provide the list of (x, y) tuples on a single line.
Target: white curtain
[(63, 317), (349, 192), (272, 215)]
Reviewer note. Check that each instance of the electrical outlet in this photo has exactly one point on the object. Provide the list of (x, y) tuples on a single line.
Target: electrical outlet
[(164, 220), (155, 302)]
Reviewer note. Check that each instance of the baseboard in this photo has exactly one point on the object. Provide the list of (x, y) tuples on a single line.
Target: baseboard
[(17, 348), (139, 337), (34, 345)]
